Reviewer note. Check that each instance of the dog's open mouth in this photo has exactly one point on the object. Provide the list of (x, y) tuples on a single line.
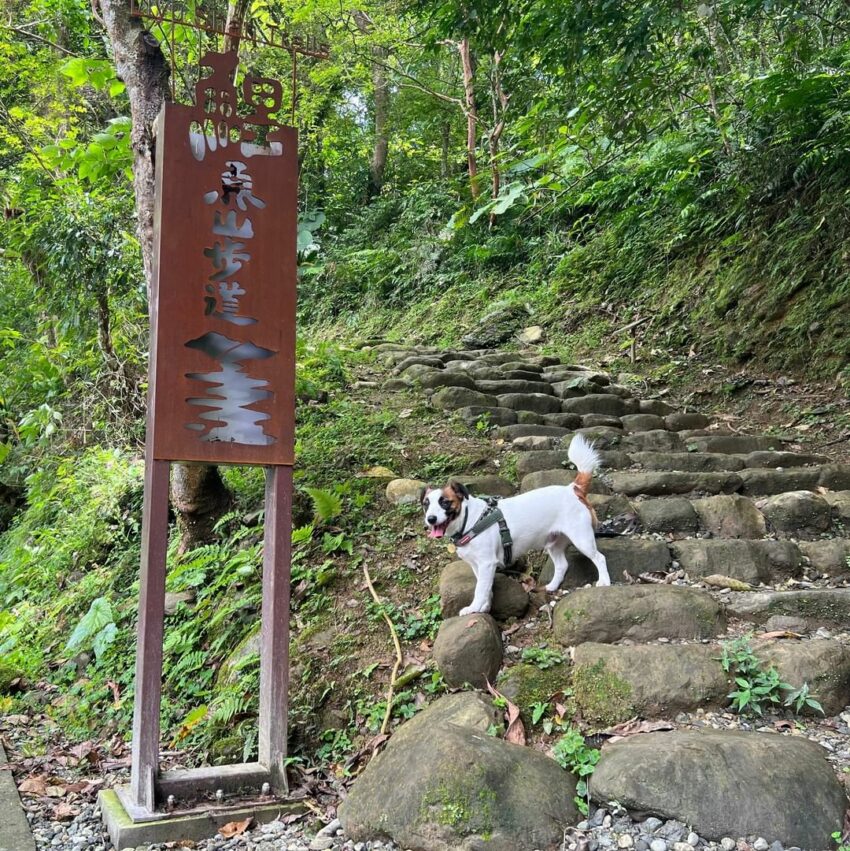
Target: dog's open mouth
[(438, 531)]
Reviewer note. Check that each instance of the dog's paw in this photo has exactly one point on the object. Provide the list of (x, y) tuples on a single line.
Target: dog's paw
[(552, 587), (603, 583), (473, 610)]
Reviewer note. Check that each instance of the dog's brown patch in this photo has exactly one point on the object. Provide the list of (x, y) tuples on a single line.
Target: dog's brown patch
[(454, 498), (581, 485)]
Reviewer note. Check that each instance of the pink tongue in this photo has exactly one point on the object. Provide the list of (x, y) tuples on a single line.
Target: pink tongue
[(436, 532)]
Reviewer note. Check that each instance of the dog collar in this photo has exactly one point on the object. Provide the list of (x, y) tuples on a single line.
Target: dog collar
[(490, 517)]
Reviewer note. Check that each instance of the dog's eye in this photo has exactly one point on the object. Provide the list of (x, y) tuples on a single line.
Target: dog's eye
[(445, 503)]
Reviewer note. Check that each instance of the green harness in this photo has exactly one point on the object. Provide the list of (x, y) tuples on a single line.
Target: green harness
[(490, 517)]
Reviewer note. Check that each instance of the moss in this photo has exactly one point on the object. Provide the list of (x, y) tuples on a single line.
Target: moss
[(8, 674), (601, 695), (526, 684), (458, 805)]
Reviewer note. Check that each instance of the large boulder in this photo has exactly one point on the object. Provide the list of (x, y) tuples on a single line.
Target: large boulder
[(508, 386), (457, 586), (823, 664), (439, 786), (797, 513), (496, 327), (730, 516), (468, 649), (638, 613), (682, 421), (614, 682), (445, 378), (526, 684), (727, 783)]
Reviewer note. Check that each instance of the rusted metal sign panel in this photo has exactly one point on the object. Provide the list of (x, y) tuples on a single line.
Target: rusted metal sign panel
[(223, 305)]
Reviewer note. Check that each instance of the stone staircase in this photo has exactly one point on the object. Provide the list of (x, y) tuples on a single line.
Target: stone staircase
[(684, 506)]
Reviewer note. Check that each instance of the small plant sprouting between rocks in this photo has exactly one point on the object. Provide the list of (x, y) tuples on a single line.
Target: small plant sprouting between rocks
[(542, 657), (838, 839), (574, 755), (760, 688)]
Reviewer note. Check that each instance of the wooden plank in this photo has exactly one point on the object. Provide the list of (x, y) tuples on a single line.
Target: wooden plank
[(148, 692), (274, 644), (186, 782)]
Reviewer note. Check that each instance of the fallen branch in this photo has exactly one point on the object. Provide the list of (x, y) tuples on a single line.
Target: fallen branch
[(399, 657)]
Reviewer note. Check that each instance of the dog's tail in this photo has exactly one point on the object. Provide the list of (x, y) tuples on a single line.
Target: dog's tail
[(586, 459)]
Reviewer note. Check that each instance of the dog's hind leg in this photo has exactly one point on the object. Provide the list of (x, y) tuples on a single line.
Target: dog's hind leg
[(556, 546), (481, 601), (585, 543)]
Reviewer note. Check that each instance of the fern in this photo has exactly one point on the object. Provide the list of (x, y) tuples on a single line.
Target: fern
[(326, 505)]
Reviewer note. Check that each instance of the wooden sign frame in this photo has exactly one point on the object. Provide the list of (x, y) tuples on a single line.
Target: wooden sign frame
[(222, 390)]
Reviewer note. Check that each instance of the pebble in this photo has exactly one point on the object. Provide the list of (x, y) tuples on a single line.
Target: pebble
[(625, 841), (651, 824), (761, 844), (777, 846), (658, 845), (321, 843), (683, 846), (692, 839)]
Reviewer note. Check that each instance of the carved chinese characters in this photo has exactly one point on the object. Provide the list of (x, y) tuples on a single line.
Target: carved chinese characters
[(223, 311)]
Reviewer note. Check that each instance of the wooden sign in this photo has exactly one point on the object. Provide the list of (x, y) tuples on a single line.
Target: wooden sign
[(223, 305)]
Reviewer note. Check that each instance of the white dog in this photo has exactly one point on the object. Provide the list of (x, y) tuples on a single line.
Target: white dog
[(546, 518)]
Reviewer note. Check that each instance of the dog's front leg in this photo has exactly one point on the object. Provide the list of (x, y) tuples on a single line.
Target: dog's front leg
[(481, 601)]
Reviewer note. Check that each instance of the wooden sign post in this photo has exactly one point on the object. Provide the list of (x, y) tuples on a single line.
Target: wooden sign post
[(222, 386)]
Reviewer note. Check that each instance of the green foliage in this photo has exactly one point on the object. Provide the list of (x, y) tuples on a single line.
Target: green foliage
[(542, 657), (759, 688), (95, 630), (326, 505), (571, 753)]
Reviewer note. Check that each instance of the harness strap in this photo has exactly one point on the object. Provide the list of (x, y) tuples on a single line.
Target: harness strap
[(490, 517)]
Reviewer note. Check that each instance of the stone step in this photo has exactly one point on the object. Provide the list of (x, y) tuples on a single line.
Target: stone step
[(814, 607), (750, 482), (615, 682), (748, 561), (638, 613), (688, 462), (716, 782)]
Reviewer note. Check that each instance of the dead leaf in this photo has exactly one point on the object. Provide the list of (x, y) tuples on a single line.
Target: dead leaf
[(516, 731), (717, 580), (472, 623), (633, 727), (779, 633), (55, 791), (235, 828), (783, 725), (65, 812), (33, 786), (405, 413)]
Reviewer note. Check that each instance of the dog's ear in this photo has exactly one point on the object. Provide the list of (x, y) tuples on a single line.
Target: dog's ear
[(423, 492), (460, 489)]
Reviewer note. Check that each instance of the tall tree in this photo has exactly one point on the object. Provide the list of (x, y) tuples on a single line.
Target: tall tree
[(197, 491)]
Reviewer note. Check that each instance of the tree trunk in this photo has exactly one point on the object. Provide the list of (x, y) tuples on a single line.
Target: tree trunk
[(382, 108), (200, 499), (471, 115), (500, 106), (236, 10), (444, 149), (198, 493)]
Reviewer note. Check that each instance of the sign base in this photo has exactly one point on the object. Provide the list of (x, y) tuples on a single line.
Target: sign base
[(196, 824)]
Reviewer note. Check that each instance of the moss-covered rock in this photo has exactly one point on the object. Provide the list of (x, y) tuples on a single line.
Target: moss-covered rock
[(440, 785), (603, 697), (526, 685), (8, 674)]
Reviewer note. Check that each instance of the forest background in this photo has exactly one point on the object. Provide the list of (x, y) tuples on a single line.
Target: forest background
[(680, 169)]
